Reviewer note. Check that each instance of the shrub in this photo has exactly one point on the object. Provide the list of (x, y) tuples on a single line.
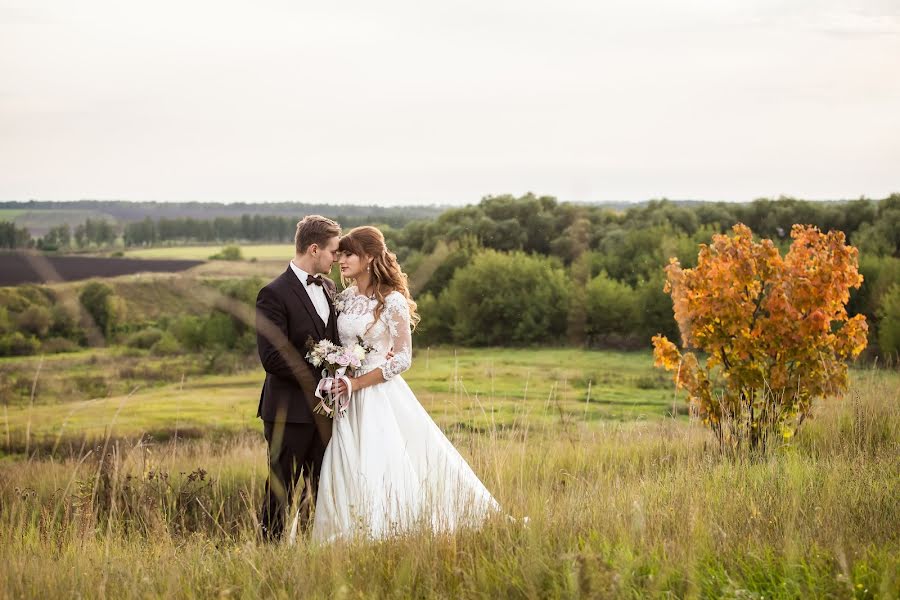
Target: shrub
[(167, 345), (437, 320), (188, 331), (442, 264), (56, 345), (16, 344), (102, 305), (889, 325), (654, 309), (5, 323), (228, 253), (15, 299), (244, 290), (35, 320), (144, 339), (509, 299), (611, 306), (775, 331), (219, 331), (65, 324)]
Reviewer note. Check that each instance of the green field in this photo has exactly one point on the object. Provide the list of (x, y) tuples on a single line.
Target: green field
[(151, 488), (470, 389), (9, 214), (258, 251)]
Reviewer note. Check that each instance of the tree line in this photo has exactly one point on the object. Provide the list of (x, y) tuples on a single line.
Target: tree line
[(533, 270)]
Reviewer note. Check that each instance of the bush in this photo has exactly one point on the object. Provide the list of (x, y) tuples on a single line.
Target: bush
[(509, 299), (775, 332), (188, 331), (879, 274), (450, 260), (102, 305), (17, 299), (5, 323), (611, 306), (35, 320), (219, 331), (654, 309), (228, 253), (57, 345), (65, 324), (16, 344), (437, 320), (145, 339), (889, 325), (167, 345)]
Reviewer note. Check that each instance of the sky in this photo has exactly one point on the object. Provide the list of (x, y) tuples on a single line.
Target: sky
[(425, 102)]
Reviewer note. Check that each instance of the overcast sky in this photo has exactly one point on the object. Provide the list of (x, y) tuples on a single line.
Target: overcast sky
[(394, 102)]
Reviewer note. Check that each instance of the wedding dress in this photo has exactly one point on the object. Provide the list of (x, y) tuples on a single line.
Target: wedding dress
[(388, 467)]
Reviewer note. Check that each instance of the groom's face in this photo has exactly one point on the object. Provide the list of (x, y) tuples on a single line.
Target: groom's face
[(326, 255)]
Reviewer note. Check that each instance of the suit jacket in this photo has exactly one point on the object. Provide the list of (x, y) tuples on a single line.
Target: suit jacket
[(285, 320)]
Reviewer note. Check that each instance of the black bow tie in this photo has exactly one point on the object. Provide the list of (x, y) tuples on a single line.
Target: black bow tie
[(311, 280)]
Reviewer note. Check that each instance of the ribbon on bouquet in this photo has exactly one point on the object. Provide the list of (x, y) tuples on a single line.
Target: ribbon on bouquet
[(329, 401)]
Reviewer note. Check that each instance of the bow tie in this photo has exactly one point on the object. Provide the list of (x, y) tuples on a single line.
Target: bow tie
[(310, 280)]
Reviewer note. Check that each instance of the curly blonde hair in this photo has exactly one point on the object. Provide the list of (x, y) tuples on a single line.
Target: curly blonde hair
[(387, 276)]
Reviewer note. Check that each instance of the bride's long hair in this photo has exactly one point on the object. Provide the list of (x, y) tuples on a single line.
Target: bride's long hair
[(386, 274)]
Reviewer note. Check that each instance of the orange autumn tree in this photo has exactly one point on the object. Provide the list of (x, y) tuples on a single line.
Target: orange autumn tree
[(774, 331)]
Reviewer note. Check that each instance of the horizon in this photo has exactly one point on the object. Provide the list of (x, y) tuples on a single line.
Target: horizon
[(451, 205)]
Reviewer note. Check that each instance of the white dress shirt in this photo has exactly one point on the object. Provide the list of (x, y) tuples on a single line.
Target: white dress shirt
[(315, 292)]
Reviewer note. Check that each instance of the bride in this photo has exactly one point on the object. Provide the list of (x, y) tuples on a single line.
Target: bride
[(388, 468)]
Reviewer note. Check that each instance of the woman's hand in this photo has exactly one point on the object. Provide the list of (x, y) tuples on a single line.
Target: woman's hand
[(373, 377), (341, 387)]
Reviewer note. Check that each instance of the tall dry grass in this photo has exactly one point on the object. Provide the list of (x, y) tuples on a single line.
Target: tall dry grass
[(616, 510)]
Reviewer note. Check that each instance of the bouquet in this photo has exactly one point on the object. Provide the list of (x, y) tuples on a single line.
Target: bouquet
[(335, 361)]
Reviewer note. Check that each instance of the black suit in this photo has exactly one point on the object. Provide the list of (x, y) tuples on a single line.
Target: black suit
[(285, 320)]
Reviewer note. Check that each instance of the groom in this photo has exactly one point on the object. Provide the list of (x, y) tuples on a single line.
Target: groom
[(295, 307)]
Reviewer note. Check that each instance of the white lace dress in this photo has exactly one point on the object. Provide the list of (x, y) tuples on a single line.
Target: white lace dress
[(388, 467)]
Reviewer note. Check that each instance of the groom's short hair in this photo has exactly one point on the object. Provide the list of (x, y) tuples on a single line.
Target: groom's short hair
[(314, 229)]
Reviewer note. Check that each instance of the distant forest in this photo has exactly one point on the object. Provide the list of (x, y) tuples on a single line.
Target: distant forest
[(540, 270), (41, 216), (530, 223)]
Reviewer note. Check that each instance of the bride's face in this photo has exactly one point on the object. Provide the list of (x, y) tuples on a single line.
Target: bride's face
[(352, 265)]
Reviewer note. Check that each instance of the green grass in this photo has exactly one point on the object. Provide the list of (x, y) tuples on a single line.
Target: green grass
[(623, 501), (9, 214), (258, 251), (636, 510), (472, 389)]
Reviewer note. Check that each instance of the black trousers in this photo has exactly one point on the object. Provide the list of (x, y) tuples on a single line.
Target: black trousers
[(295, 454)]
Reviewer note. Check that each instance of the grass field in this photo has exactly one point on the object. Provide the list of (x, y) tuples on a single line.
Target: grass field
[(258, 251), (9, 214), (623, 500), (471, 389)]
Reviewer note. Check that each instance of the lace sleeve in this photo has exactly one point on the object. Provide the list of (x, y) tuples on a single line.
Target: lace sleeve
[(341, 299), (396, 316)]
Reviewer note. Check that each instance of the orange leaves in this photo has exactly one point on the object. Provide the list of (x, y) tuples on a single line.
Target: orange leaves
[(665, 353), (775, 330)]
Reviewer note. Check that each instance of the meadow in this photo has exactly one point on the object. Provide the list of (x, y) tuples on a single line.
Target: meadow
[(626, 497), (56, 401), (282, 252)]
